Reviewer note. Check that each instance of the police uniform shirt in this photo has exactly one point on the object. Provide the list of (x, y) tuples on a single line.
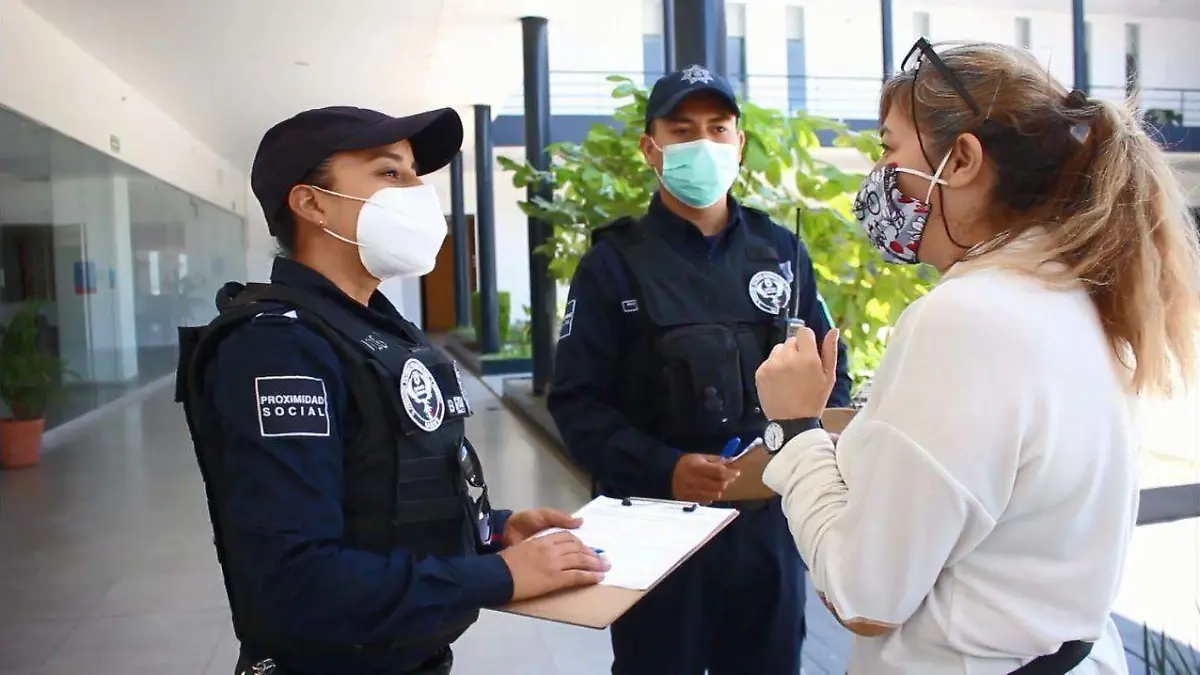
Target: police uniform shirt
[(279, 391), (601, 324), (984, 498)]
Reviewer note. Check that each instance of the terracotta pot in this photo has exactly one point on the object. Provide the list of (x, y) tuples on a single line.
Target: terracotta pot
[(20, 442)]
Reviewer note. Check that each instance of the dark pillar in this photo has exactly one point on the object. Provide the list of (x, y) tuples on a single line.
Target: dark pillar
[(668, 36), (488, 329), (1079, 45), (885, 19), (700, 34), (542, 301), (460, 241)]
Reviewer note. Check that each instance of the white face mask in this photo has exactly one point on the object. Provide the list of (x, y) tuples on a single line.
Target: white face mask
[(400, 231)]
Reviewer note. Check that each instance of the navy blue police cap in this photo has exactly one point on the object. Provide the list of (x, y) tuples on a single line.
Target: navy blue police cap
[(295, 146), (672, 88)]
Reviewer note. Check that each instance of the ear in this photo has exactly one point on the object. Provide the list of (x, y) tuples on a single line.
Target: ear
[(303, 202), (741, 145), (646, 145), (966, 161)]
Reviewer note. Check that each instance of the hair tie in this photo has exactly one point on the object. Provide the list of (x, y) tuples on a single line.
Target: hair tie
[(1077, 99)]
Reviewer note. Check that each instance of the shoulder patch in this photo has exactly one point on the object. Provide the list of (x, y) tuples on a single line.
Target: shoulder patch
[(291, 405)]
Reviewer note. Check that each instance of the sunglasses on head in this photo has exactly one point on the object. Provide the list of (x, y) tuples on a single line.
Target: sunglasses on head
[(922, 51)]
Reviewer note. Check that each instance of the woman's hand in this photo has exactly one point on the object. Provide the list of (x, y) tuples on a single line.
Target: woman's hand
[(524, 524), (796, 379)]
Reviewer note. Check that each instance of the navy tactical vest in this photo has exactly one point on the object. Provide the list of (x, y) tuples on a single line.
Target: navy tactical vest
[(403, 484), (707, 325)]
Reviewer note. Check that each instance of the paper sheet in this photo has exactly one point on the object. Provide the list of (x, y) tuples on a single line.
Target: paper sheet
[(644, 540)]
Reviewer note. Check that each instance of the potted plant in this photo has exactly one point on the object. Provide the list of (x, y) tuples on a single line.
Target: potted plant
[(30, 380)]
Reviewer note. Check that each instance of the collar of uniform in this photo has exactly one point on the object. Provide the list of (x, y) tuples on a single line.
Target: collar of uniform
[(298, 275), (680, 231)]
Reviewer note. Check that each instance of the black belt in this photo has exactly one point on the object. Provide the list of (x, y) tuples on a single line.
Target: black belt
[(1061, 662)]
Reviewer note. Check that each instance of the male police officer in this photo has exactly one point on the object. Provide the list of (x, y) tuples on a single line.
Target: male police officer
[(667, 321), (330, 433)]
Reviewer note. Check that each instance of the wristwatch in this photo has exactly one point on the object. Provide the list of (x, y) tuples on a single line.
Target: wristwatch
[(779, 432)]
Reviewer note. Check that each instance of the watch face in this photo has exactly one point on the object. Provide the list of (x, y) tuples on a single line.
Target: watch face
[(773, 436)]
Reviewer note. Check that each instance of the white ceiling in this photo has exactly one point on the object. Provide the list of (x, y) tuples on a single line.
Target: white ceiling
[(228, 69)]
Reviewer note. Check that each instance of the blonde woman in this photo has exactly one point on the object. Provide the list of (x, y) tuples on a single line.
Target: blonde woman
[(974, 517)]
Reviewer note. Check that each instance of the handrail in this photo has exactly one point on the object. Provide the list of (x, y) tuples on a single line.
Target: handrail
[(588, 92)]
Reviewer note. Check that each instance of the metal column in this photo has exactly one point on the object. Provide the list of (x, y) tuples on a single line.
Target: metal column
[(485, 226), (460, 241), (889, 48), (1079, 45), (668, 36), (700, 34), (542, 291)]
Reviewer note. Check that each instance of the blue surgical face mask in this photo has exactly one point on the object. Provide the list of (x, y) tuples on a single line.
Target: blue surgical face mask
[(699, 173)]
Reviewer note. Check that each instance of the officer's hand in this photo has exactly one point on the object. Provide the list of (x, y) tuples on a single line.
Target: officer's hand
[(551, 563), (701, 478), (524, 524), (796, 379)]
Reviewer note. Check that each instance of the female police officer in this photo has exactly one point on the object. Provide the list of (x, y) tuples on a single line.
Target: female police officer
[(331, 434)]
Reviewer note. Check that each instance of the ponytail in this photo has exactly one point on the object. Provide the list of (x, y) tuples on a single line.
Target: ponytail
[(1125, 231)]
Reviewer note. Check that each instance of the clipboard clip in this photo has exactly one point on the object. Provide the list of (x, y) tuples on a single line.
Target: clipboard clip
[(629, 501)]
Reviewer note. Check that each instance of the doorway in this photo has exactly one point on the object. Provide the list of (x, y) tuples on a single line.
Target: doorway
[(437, 287)]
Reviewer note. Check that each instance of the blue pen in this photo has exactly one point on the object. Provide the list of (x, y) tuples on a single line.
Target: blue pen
[(731, 447), (598, 551)]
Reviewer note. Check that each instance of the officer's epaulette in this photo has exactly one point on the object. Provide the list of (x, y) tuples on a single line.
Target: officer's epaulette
[(607, 228)]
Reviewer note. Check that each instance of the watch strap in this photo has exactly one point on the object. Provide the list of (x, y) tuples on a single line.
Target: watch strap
[(794, 427)]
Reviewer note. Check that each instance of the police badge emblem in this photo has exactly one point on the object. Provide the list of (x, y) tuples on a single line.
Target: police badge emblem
[(421, 396), (769, 291)]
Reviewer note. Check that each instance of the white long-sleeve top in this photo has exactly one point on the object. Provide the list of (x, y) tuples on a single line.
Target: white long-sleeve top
[(983, 500)]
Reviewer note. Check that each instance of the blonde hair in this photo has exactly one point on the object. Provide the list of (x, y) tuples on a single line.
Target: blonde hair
[(1109, 208)]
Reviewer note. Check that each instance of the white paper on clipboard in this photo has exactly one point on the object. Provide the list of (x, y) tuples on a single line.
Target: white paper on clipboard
[(644, 539)]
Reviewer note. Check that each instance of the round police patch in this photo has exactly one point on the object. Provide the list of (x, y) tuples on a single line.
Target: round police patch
[(421, 396), (769, 291)]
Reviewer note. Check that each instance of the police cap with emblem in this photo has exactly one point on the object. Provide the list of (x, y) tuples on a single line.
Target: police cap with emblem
[(295, 146), (672, 88)]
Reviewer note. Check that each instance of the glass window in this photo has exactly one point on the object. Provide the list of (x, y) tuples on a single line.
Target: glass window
[(1133, 50), (921, 26), (735, 47), (116, 259), (653, 59), (1024, 30), (797, 73)]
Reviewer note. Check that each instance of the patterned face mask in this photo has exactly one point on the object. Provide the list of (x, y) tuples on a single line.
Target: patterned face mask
[(893, 221)]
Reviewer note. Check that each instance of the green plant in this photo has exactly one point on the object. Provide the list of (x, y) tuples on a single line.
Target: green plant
[(605, 177), (504, 300), (30, 377), (1163, 656)]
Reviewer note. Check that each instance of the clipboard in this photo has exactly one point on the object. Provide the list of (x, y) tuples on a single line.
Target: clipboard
[(597, 607), (754, 460)]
